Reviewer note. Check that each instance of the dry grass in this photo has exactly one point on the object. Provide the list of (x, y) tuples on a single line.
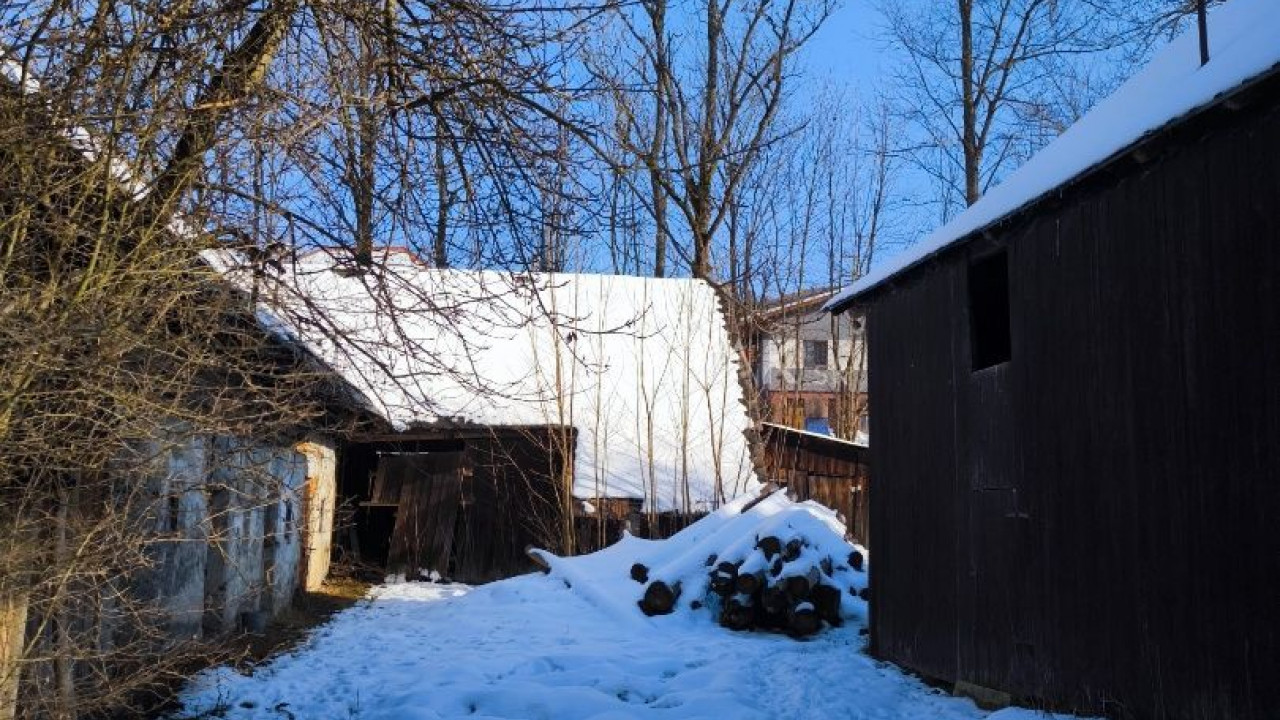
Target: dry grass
[(291, 628)]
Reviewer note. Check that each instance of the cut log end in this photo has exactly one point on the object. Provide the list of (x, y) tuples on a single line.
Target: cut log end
[(660, 598), (803, 620), (535, 555), (738, 615), (749, 583), (770, 546), (856, 560), (640, 573), (792, 549), (826, 600)]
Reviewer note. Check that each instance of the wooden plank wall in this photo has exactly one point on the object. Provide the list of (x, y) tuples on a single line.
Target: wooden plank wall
[(511, 501), (430, 487), (505, 498), (599, 530), (1093, 523), (832, 472)]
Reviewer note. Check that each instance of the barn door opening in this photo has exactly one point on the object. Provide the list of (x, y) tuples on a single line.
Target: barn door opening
[(425, 489)]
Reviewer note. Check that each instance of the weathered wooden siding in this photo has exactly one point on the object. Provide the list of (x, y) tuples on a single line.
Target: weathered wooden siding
[(502, 497), (1093, 522), (830, 471)]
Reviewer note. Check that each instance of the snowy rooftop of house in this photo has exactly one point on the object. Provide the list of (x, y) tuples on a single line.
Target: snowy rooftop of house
[(643, 368), (1244, 40)]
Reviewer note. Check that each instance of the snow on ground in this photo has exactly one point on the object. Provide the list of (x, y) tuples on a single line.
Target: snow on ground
[(572, 644)]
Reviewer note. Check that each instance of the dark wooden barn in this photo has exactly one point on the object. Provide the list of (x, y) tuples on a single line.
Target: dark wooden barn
[(1077, 430), (464, 502), (829, 470)]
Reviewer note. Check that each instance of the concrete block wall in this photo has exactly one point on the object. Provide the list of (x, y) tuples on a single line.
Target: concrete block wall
[(243, 525), (253, 554), (282, 535), (229, 530), (180, 515)]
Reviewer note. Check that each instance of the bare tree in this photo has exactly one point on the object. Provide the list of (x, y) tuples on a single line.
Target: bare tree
[(816, 224), (696, 118), (135, 136), (988, 83)]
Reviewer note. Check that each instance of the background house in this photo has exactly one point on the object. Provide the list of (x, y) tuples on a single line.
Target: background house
[(810, 366), (1077, 388)]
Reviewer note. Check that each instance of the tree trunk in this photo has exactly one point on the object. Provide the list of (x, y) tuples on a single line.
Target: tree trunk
[(702, 250), (444, 201), (241, 72), (364, 181), (969, 105), (660, 229), (701, 195), (63, 645), (657, 148)]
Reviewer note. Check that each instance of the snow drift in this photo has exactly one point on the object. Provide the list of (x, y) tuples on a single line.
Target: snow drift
[(766, 563)]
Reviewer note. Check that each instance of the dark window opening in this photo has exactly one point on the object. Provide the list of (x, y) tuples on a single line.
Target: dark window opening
[(173, 521), (989, 340), (815, 353)]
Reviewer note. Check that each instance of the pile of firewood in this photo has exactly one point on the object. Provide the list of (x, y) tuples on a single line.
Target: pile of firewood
[(782, 587)]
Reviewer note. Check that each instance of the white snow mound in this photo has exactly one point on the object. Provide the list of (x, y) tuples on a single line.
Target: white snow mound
[(729, 535)]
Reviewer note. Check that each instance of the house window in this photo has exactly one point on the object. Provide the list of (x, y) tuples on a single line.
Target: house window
[(821, 426), (815, 353), (989, 337)]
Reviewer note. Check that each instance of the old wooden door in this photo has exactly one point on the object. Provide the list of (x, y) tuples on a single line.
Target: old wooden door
[(428, 487)]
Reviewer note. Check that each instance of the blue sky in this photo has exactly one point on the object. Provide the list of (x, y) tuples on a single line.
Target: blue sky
[(847, 49)]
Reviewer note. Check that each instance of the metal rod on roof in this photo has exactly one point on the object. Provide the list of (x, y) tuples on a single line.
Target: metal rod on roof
[(1202, 16)]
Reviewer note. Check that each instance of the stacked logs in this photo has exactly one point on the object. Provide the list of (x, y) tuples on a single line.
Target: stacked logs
[(780, 587)]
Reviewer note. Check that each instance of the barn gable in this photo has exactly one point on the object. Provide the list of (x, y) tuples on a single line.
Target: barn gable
[(1170, 90)]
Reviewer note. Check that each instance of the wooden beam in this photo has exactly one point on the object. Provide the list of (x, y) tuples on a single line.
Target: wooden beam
[(13, 634)]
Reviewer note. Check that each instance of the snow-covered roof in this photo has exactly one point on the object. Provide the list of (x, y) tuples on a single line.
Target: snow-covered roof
[(1244, 39), (796, 302), (79, 138), (643, 368)]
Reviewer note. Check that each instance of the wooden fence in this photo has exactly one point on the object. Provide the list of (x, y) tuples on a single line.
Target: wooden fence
[(829, 470)]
